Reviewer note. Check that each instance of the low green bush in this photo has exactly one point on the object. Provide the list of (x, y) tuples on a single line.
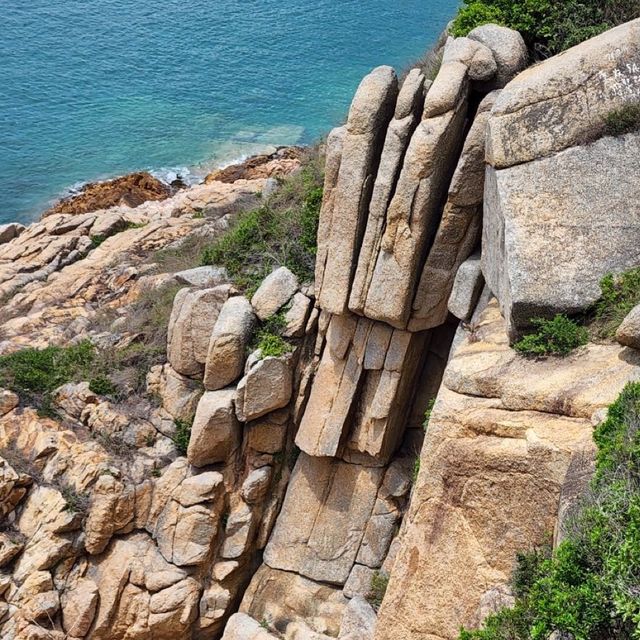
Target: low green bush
[(183, 435), (620, 294), (102, 385), (268, 337), (624, 120), (34, 373), (547, 26), (559, 336), (589, 589), (280, 233)]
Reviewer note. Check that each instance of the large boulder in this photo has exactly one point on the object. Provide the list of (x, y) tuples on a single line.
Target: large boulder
[(555, 226), (564, 101), (267, 386), (274, 292), (192, 319), (228, 344), (562, 202), (215, 432)]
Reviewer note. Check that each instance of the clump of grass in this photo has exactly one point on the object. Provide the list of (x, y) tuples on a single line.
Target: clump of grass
[(624, 120), (620, 294), (96, 241), (427, 414), (377, 589), (183, 435), (268, 337), (76, 502), (559, 337), (183, 254), (282, 232)]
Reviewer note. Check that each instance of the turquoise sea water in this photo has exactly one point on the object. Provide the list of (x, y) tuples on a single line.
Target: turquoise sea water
[(91, 89)]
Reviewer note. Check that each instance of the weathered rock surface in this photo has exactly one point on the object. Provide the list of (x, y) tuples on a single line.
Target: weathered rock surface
[(628, 332), (563, 101), (500, 442), (555, 226), (406, 117), (274, 292), (467, 288), (192, 320), (370, 113), (228, 343), (215, 432), (459, 229), (267, 386), (130, 190), (509, 51)]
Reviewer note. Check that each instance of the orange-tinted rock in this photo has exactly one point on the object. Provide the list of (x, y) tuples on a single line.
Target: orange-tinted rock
[(130, 190), (282, 162)]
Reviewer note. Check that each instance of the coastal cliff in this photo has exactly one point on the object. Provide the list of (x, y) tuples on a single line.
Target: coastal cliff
[(221, 441)]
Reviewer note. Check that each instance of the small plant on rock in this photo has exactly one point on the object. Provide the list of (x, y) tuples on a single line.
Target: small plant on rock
[(623, 121), (377, 589), (102, 386), (620, 294), (427, 414), (76, 502), (183, 435), (268, 337), (558, 337)]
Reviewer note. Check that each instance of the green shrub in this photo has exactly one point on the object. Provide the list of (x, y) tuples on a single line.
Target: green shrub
[(280, 233), (96, 241), (268, 337), (623, 120), (547, 26), (102, 385), (183, 435), (559, 336), (620, 294), (589, 588), (377, 589), (34, 373)]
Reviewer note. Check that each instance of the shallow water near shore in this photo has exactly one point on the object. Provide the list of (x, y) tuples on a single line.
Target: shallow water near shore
[(90, 90)]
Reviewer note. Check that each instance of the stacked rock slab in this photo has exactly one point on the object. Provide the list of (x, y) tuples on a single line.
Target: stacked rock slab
[(561, 204), (402, 207)]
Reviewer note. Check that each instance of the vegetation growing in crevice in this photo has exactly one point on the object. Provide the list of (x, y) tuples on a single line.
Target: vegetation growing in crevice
[(282, 232), (183, 435), (620, 294), (589, 589), (427, 414), (624, 120), (559, 337), (268, 337), (547, 26), (377, 589)]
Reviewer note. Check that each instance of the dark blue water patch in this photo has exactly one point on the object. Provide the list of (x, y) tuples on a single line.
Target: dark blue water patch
[(93, 89)]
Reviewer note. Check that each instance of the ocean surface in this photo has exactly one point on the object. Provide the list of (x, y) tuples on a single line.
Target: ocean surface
[(92, 89)]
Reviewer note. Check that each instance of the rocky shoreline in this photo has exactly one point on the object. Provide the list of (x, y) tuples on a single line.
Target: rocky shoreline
[(134, 189)]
